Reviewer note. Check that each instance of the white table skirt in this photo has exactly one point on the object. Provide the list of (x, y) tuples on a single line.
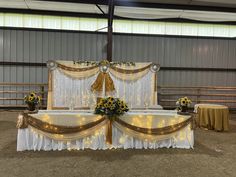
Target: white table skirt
[(28, 139)]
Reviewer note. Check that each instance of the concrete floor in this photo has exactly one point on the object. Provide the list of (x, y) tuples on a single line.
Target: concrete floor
[(214, 155)]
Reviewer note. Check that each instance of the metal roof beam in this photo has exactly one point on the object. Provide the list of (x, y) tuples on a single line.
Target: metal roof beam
[(153, 5), (100, 9), (49, 12)]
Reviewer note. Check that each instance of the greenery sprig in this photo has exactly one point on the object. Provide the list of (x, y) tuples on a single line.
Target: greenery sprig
[(103, 62)]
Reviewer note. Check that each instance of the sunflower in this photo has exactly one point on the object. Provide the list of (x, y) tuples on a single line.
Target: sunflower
[(119, 111), (119, 102), (110, 102), (183, 102), (32, 94), (111, 106), (105, 105), (122, 107), (100, 104), (110, 99)]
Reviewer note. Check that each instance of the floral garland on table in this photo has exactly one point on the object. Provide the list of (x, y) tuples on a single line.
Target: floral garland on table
[(111, 107), (183, 104)]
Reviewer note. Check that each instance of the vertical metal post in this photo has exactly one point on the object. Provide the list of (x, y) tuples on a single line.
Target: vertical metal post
[(110, 30), (42, 92)]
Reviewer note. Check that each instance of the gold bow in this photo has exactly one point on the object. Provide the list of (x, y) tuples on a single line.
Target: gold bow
[(98, 84)]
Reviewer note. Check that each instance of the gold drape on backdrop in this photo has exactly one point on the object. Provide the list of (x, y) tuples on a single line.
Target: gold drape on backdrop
[(98, 84), (80, 75), (50, 91), (132, 69), (128, 77)]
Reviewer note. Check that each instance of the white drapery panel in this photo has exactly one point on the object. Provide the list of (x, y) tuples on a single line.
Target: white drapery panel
[(136, 93), (28, 139), (72, 92)]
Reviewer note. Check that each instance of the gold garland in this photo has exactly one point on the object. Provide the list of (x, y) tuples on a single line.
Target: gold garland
[(58, 129), (104, 62), (128, 71), (156, 131), (67, 68)]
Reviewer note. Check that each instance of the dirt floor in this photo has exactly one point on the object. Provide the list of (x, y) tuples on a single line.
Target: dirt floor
[(214, 155)]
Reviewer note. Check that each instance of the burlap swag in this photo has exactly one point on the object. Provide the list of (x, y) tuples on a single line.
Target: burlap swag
[(123, 73), (27, 120)]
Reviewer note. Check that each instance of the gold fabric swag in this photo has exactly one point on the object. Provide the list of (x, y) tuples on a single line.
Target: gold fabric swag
[(103, 80), (97, 86), (82, 131)]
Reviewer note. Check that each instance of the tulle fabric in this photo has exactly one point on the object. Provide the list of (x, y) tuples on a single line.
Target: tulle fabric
[(28, 139)]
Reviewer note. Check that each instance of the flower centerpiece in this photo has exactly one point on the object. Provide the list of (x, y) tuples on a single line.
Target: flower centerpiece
[(183, 104), (32, 100), (111, 107)]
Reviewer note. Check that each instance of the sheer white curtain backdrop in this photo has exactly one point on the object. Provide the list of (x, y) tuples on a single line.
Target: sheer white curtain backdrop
[(137, 93), (76, 93), (72, 92)]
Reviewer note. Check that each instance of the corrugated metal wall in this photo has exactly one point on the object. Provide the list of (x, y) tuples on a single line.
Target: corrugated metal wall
[(41, 46), (38, 46), (182, 52)]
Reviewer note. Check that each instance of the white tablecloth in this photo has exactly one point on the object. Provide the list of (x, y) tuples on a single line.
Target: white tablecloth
[(28, 139)]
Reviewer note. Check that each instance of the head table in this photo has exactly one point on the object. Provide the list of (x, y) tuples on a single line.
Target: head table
[(32, 137)]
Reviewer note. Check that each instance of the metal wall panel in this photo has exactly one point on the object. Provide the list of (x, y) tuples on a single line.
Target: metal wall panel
[(176, 51), (196, 78), (40, 46), (182, 52)]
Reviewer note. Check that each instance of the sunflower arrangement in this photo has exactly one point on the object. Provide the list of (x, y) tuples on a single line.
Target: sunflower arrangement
[(32, 100), (183, 104), (111, 107)]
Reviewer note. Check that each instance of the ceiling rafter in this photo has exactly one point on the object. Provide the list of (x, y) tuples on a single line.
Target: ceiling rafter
[(100, 8), (104, 16), (188, 6), (49, 12)]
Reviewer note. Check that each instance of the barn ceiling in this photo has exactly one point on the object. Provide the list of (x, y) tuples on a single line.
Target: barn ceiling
[(200, 10)]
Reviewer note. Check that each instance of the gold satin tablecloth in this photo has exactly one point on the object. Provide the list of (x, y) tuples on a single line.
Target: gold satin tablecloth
[(213, 117)]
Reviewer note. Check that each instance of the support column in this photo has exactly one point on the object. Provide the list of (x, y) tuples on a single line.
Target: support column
[(110, 30)]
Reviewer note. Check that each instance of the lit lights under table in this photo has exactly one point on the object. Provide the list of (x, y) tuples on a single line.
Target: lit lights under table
[(64, 129)]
